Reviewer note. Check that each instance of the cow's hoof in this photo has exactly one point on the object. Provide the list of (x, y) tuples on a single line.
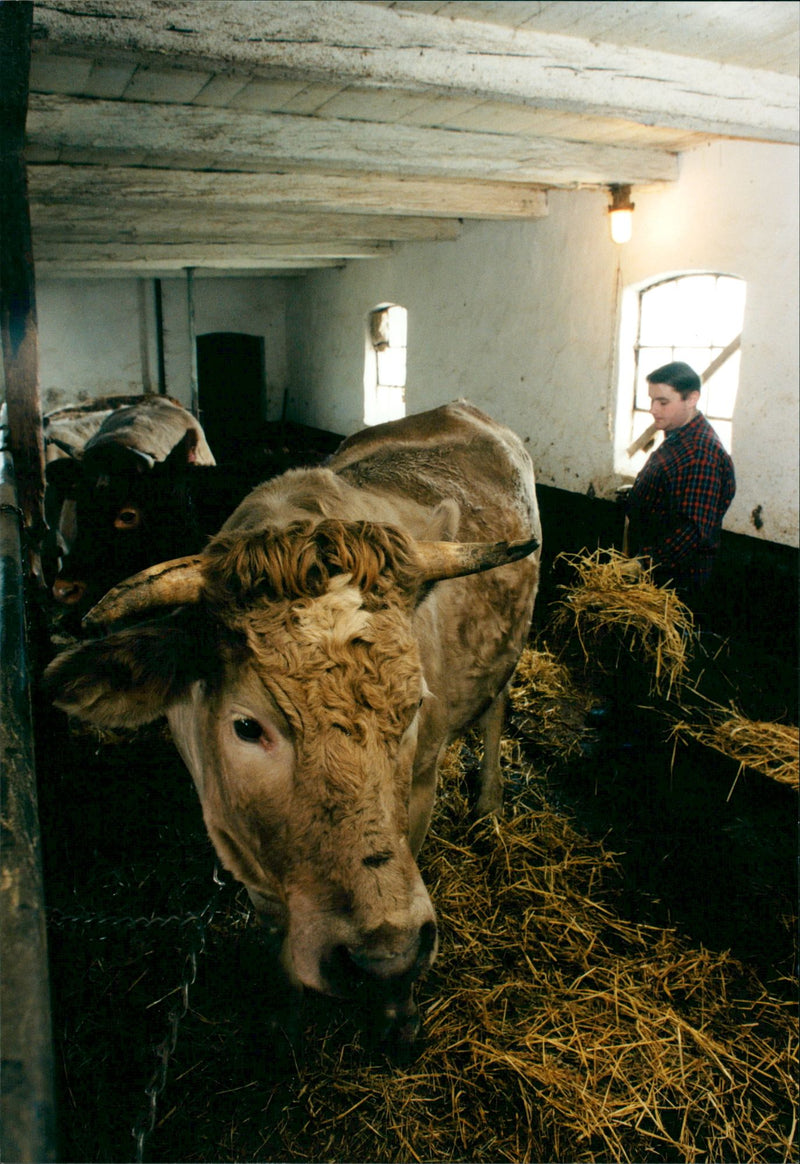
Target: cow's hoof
[(489, 806)]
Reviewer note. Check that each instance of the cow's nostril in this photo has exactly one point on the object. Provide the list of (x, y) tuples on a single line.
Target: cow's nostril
[(426, 952), (68, 593), (375, 860)]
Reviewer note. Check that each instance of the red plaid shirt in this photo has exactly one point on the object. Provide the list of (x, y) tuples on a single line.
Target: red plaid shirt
[(677, 504)]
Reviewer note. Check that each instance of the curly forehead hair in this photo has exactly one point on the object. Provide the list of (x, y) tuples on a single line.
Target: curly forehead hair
[(299, 561)]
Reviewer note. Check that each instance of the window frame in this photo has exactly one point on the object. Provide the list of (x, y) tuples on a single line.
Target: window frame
[(384, 400), (631, 427)]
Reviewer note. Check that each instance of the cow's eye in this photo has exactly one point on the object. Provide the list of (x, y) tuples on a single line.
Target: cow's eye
[(249, 730), (127, 518)]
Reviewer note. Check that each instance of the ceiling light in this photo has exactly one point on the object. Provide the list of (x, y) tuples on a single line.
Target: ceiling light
[(620, 214)]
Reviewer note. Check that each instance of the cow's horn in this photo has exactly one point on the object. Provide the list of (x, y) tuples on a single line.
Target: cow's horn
[(439, 560), (65, 447), (174, 583)]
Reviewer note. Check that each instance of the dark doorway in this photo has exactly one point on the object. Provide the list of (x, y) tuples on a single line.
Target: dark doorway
[(231, 389)]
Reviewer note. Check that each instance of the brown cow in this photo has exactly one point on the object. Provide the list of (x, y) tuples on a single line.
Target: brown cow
[(330, 642), (108, 452)]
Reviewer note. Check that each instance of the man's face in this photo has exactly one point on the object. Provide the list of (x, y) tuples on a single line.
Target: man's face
[(668, 407)]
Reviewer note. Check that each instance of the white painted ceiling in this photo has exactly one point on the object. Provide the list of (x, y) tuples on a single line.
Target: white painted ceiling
[(278, 136)]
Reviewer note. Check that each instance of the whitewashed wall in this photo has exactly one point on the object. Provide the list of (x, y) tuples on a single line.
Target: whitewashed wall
[(523, 320), (98, 336), (95, 339)]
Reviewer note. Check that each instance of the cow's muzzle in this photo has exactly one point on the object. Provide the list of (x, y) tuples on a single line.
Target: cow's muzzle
[(382, 982), (384, 960), (379, 960)]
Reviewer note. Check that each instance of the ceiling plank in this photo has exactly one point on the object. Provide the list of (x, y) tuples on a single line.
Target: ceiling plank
[(252, 141), (53, 255), (371, 194), (173, 223), (382, 48)]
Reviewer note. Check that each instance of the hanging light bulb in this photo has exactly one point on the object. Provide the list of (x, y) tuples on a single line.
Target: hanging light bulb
[(620, 214)]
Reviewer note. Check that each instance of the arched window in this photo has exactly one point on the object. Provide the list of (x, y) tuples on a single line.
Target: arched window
[(696, 318), (385, 364)]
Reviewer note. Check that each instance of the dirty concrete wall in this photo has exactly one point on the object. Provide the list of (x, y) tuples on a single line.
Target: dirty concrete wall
[(98, 336)]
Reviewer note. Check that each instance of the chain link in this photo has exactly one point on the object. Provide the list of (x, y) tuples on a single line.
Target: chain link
[(60, 919), (164, 1051)]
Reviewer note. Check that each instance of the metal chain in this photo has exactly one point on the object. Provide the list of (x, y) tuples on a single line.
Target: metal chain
[(166, 1048), (60, 919)]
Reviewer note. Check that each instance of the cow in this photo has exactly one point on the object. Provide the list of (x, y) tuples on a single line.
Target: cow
[(93, 492), (65, 432), (344, 626)]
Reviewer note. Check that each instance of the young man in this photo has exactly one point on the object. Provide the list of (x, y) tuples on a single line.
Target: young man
[(678, 500)]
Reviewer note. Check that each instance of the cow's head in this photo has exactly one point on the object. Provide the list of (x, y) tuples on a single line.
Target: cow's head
[(129, 511), (292, 682)]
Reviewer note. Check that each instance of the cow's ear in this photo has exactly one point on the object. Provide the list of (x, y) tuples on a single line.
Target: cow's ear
[(185, 451), (443, 522), (62, 474), (128, 678)]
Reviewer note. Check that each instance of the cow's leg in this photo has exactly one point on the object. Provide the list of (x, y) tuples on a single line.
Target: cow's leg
[(423, 795), (491, 794)]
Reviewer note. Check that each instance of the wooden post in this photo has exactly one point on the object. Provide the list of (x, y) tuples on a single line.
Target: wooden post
[(18, 325), (194, 389), (27, 1087)]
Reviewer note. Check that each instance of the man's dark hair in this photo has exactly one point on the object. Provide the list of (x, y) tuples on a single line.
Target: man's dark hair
[(679, 376)]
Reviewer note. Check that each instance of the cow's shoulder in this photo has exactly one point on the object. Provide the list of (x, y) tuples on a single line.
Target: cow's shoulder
[(455, 454), (449, 422)]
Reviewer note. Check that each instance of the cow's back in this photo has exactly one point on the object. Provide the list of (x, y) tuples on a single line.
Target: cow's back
[(153, 426), (454, 453), (73, 425)]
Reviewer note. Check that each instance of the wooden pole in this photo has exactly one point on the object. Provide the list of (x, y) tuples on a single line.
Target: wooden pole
[(194, 389), (18, 326), (27, 1087)]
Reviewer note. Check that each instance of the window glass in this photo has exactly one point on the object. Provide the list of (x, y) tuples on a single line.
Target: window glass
[(385, 364), (693, 318)]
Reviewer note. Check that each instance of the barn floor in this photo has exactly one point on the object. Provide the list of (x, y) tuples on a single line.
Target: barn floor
[(616, 977)]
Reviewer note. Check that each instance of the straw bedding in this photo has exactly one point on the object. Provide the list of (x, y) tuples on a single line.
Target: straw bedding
[(556, 1029)]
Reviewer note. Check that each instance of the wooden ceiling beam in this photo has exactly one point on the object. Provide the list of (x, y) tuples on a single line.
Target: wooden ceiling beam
[(382, 48), (123, 222), (210, 138), (54, 185), (54, 256)]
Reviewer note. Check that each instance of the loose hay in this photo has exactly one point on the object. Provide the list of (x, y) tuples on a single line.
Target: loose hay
[(549, 708), (768, 748), (616, 595), (556, 1030)]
